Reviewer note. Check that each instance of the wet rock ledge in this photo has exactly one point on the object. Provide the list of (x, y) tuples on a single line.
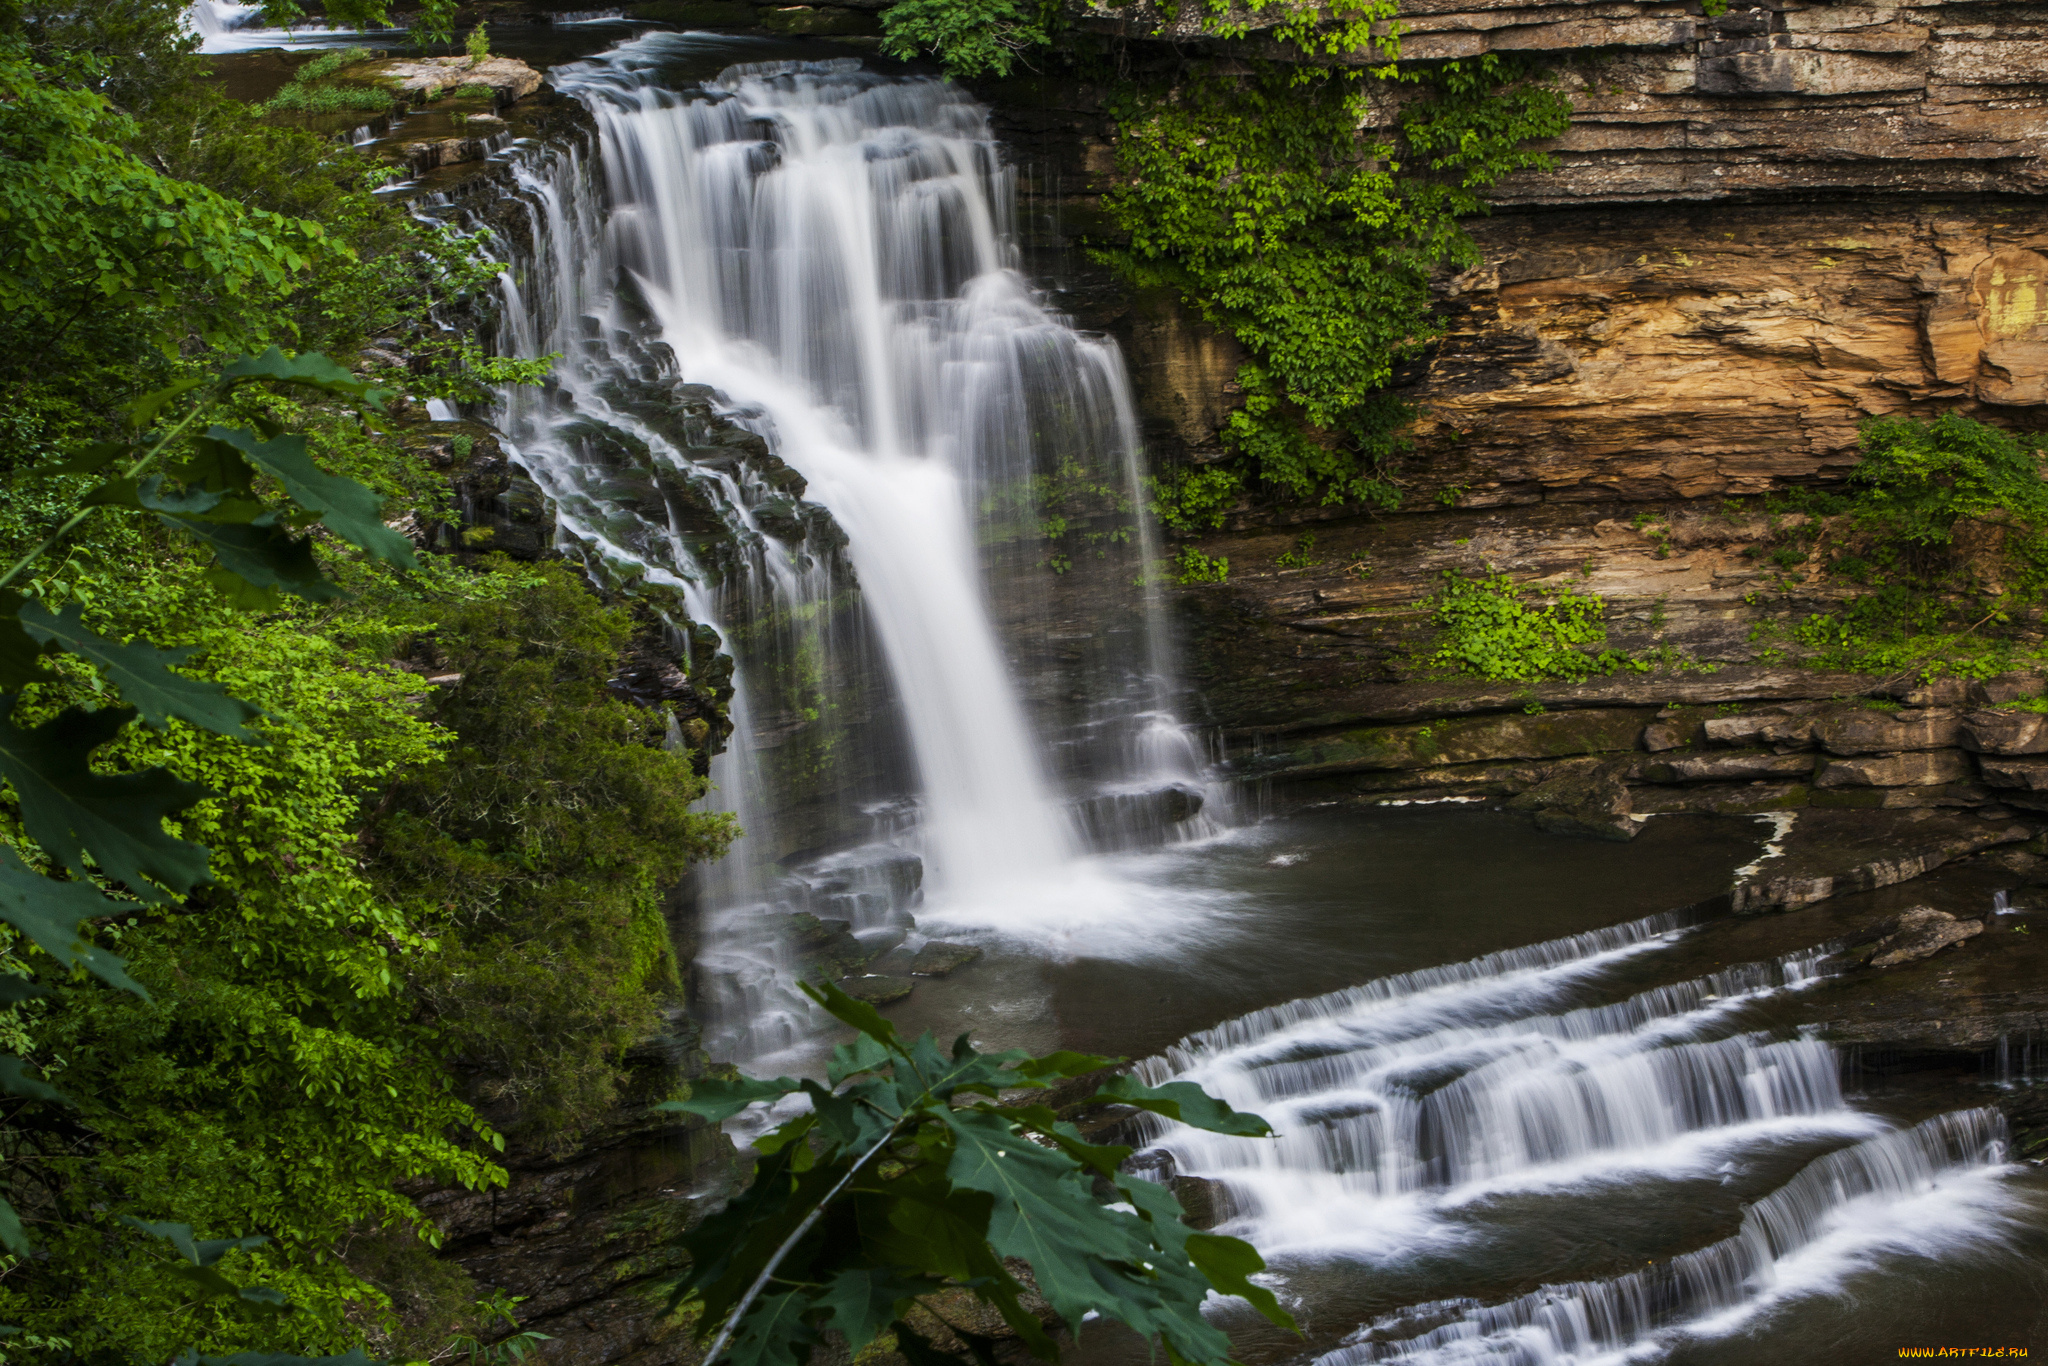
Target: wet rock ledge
[(1741, 741)]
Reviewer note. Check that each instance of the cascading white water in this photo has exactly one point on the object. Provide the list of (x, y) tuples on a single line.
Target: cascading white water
[(228, 26), (1442, 1082), (1851, 1197), (855, 288), (824, 254), (1401, 1106), (213, 18)]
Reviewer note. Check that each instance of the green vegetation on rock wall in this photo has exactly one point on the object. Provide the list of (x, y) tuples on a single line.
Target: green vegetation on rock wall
[(1260, 193), (1938, 550), (1259, 199)]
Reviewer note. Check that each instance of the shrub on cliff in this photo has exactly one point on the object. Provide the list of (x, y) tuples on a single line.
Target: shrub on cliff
[(1941, 539), (538, 854), (1258, 199), (1493, 628)]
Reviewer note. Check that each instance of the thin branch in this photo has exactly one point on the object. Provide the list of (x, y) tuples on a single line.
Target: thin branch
[(739, 1312)]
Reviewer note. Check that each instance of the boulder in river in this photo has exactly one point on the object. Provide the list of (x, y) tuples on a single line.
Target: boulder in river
[(936, 959), (1921, 933), (876, 991)]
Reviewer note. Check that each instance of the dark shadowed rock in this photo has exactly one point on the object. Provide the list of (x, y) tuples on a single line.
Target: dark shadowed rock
[(1205, 1202), (2030, 775), (1863, 730), (2005, 732), (2013, 687), (1928, 768), (1729, 767), (876, 990), (1786, 727), (1719, 799), (1592, 803), (1831, 853)]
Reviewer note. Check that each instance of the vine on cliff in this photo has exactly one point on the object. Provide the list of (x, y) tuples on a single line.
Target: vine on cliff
[(1490, 628), (1258, 198), (1942, 538)]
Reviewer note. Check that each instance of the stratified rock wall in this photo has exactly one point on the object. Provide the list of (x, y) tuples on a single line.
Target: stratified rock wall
[(1761, 229)]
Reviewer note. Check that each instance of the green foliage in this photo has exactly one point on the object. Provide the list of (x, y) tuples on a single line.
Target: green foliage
[(174, 1054), (539, 858), (1303, 556), (291, 1066), (1945, 528), (1197, 499), (478, 45), (327, 63), (1254, 197), (91, 237), (329, 99), (433, 22), (970, 37), (1191, 566), (1074, 510), (909, 1175), (1489, 627)]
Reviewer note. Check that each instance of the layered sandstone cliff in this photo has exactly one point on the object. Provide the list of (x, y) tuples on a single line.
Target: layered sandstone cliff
[(1761, 229)]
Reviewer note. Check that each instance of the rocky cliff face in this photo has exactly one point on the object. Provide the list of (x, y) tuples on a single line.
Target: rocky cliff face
[(1761, 228)]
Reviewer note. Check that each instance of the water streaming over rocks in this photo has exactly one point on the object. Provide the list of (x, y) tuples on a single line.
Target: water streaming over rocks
[(803, 394), (1407, 1109), (1797, 1239)]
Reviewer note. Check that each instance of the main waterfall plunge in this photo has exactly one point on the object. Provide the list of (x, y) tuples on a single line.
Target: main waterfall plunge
[(823, 255)]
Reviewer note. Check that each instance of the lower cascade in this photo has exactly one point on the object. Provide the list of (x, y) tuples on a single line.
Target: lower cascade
[(804, 395), (1409, 1109)]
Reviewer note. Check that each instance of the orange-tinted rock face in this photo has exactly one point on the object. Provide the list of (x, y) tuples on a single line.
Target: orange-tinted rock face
[(1687, 352), (1760, 230)]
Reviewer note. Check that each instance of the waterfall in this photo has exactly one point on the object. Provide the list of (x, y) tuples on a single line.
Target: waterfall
[(213, 18), (228, 26), (1926, 1189), (1407, 1110), (805, 397), (1448, 1085)]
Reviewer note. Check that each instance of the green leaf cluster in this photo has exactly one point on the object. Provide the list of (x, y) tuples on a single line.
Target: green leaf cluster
[(1191, 566), (970, 37), (88, 232), (1255, 196), (1490, 627), (539, 859), (913, 1172), (1944, 530)]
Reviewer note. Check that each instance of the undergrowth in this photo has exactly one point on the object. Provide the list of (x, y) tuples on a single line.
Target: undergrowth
[(304, 95), (1256, 197), (1495, 629), (1943, 529)]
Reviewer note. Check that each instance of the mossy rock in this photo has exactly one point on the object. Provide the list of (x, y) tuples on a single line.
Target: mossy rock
[(1474, 739)]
